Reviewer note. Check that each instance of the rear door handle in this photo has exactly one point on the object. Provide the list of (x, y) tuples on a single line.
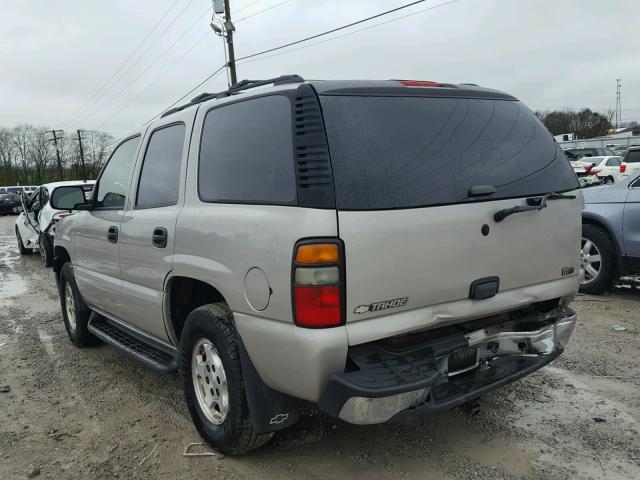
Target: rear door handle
[(112, 234), (159, 237)]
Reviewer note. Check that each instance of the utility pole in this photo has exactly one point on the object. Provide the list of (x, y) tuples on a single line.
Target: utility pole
[(618, 103), (229, 27), (225, 30), (84, 173), (55, 143)]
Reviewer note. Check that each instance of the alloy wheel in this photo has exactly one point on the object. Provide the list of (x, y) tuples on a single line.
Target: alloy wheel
[(590, 261), (70, 306), (210, 381)]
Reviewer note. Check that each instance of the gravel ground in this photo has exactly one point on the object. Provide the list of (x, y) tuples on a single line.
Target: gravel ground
[(95, 413)]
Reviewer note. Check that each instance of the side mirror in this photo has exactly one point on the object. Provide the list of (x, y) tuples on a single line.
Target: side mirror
[(68, 198)]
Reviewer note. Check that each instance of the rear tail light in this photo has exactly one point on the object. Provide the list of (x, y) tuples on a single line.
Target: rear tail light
[(623, 167), (318, 283), (593, 171)]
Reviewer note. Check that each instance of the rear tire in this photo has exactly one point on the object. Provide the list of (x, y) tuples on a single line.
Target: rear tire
[(46, 250), (74, 311), (608, 181), (219, 407), (603, 246), (21, 248)]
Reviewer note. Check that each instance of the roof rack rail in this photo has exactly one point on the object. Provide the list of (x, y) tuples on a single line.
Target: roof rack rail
[(235, 88)]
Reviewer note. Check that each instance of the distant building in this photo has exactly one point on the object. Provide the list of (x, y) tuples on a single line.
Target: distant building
[(565, 137)]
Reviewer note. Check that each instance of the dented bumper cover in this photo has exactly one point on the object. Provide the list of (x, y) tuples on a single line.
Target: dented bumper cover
[(387, 383)]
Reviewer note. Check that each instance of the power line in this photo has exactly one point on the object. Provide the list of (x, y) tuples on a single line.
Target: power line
[(261, 11), (148, 86), (175, 19), (247, 5), (88, 102), (315, 36), (402, 7), (305, 40), (160, 57), (353, 32), (210, 77)]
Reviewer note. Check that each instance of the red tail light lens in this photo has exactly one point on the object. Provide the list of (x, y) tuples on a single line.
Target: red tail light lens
[(318, 306), (623, 167), (593, 171), (318, 283)]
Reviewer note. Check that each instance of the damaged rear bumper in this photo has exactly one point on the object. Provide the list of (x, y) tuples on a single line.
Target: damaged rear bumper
[(387, 383)]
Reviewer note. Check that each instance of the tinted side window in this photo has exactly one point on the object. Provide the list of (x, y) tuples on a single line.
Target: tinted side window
[(246, 153), (160, 176), (114, 182)]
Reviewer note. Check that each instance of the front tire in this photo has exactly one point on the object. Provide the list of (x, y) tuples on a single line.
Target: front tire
[(213, 383), (74, 311), (597, 257)]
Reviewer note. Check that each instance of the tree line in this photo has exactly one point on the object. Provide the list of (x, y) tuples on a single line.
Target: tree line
[(584, 123), (28, 155)]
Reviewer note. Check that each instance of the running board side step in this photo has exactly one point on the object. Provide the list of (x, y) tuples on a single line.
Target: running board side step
[(156, 355)]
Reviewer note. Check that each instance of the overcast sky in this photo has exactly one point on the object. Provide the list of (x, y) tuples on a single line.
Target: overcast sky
[(56, 55)]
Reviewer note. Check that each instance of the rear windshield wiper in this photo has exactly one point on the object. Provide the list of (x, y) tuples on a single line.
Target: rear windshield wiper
[(533, 203)]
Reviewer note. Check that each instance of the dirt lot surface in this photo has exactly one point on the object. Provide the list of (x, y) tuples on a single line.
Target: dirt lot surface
[(95, 413)]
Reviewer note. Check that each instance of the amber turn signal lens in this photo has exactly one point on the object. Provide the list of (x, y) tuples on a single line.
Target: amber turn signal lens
[(317, 253)]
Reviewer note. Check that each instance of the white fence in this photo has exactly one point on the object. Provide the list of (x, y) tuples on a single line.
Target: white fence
[(601, 142)]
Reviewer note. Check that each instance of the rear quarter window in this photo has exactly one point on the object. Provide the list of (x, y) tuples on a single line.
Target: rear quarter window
[(246, 153), (401, 152)]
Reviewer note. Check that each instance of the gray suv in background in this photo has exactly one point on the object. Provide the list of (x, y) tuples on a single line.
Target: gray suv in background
[(383, 249)]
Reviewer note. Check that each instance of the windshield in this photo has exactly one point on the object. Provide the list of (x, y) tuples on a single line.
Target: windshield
[(401, 152)]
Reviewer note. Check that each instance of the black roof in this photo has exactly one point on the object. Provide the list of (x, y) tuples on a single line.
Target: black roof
[(357, 87)]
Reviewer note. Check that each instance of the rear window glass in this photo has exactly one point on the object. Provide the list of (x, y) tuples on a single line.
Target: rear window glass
[(633, 156), (400, 152), (246, 153)]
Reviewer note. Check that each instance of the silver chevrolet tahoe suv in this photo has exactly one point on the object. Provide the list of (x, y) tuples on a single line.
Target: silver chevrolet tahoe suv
[(382, 249)]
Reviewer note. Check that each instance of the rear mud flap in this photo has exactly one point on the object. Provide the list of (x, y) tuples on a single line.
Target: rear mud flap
[(270, 410)]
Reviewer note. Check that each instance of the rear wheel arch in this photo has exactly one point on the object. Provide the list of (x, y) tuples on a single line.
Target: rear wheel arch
[(185, 294), (60, 257)]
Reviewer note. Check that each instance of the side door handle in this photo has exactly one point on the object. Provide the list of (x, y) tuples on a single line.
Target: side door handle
[(159, 237), (112, 234)]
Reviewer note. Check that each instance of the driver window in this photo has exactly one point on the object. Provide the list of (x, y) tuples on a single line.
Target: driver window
[(113, 185)]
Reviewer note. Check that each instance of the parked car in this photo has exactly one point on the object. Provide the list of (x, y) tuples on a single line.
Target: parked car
[(607, 169), (12, 189), (582, 169), (578, 153), (383, 249), (35, 226), (631, 163), (610, 245), (9, 203)]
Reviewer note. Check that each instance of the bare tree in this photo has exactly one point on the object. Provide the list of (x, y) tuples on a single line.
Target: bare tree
[(7, 156), (40, 152), (21, 140)]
